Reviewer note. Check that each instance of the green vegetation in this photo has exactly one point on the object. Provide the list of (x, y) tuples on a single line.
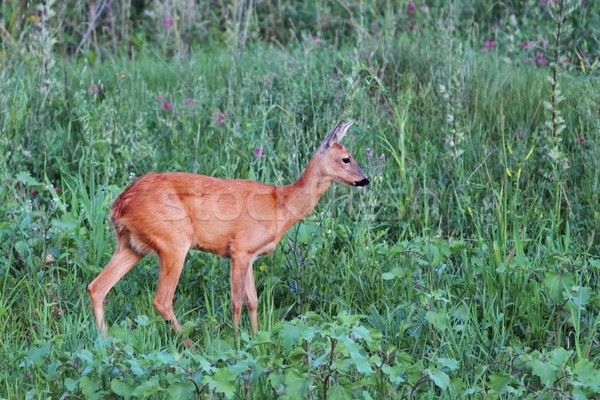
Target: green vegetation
[(469, 267)]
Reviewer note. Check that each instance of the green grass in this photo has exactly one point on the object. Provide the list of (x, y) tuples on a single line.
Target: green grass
[(467, 269)]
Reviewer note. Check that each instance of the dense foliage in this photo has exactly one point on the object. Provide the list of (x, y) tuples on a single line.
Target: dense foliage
[(467, 269)]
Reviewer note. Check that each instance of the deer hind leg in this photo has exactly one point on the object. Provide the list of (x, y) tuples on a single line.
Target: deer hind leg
[(121, 262), (171, 264)]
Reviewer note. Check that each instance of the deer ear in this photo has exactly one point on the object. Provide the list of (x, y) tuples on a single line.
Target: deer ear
[(336, 134)]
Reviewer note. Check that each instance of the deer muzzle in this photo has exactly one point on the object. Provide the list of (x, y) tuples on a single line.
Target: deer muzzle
[(363, 182)]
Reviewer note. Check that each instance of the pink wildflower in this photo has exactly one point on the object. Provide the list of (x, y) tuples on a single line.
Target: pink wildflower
[(425, 7), (580, 139), (259, 152), (167, 22), (528, 45), (57, 189), (219, 118), (167, 106), (540, 60), (94, 89), (189, 100), (314, 39), (490, 44), (483, 51), (159, 97), (411, 8)]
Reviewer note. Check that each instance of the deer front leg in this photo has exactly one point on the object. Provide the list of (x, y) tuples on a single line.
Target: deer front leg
[(251, 298), (240, 265)]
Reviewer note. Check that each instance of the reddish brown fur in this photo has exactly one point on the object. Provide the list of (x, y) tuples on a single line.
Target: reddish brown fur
[(169, 213)]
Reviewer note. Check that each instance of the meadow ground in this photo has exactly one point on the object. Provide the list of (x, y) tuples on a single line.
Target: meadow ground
[(467, 269)]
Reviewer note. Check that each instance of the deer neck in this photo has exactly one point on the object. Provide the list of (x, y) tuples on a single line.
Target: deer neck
[(302, 196)]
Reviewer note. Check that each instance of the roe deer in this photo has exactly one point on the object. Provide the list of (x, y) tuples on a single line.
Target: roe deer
[(172, 212)]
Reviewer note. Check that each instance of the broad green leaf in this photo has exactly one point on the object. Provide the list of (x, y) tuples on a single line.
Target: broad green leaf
[(89, 387), (545, 371), (296, 385), (142, 320), (578, 394), (440, 378), (578, 295), (70, 384), (27, 179), (339, 392), (298, 354), (135, 367), (560, 356), (357, 358), (361, 332), (242, 366), (306, 231), (587, 375), (36, 354), (223, 381), (277, 381), (449, 363), (375, 360), (165, 358), (205, 365), (121, 388), (498, 382), (394, 273), (394, 372), (346, 319), (288, 335), (519, 261), (306, 332), (439, 319), (555, 284), (148, 388), (87, 358), (262, 337), (182, 390)]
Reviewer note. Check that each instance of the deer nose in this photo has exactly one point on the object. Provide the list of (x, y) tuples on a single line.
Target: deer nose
[(363, 182)]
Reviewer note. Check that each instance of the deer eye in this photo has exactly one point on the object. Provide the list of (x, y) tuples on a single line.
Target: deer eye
[(346, 160)]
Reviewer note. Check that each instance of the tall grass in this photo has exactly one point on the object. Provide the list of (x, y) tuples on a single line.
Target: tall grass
[(468, 268)]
